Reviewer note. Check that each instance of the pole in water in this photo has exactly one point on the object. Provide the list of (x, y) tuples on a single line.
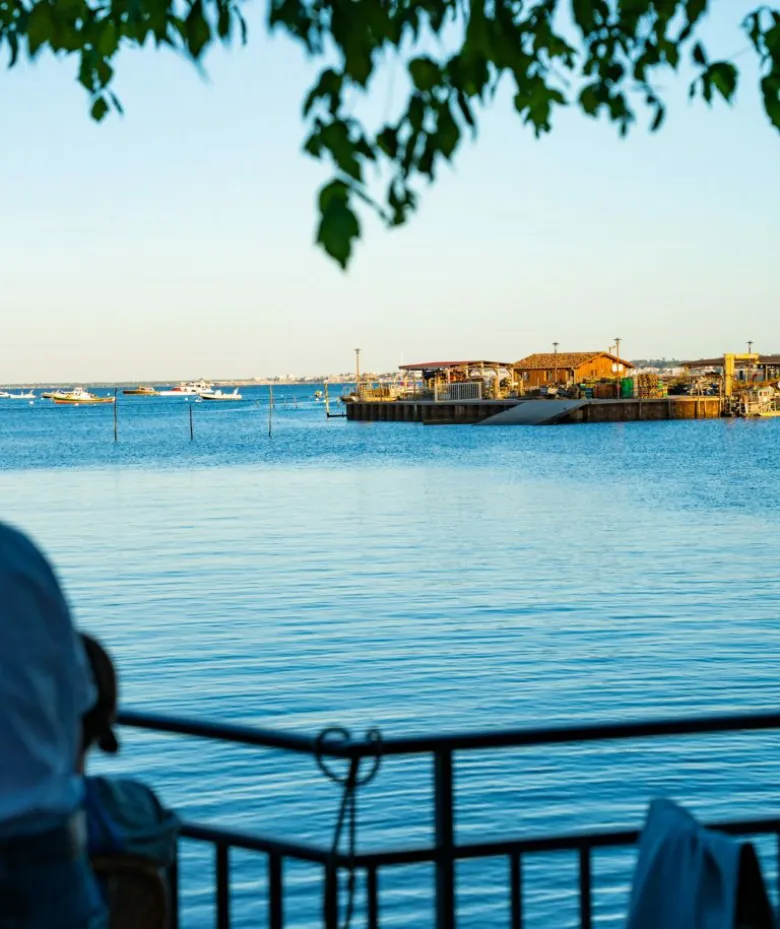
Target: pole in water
[(192, 433), (116, 424), (270, 409)]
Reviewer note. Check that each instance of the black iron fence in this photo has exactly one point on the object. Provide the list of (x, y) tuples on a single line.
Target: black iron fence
[(360, 759)]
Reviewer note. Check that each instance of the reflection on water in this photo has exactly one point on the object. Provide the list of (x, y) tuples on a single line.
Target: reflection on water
[(418, 578)]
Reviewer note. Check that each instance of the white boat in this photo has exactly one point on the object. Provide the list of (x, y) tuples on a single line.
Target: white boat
[(4, 395), (78, 396), (30, 395), (191, 389), (219, 395)]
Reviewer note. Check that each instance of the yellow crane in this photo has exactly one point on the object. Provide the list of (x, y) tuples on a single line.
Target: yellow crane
[(729, 367)]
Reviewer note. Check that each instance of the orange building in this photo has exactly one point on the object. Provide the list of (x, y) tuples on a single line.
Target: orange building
[(569, 367)]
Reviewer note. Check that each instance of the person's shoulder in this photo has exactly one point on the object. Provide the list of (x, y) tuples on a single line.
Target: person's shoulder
[(130, 813), (123, 794), (17, 549), (20, 556)]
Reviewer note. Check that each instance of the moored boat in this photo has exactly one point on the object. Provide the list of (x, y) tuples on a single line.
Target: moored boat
[(191, 389), (141, 392), (219, 395), (79, 396), (29, 395)]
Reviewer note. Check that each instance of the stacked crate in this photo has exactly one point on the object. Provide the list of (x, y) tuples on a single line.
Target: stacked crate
[(648, 387)]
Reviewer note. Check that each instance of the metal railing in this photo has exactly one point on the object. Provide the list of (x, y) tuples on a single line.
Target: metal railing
[(445, 850), (465, 390)]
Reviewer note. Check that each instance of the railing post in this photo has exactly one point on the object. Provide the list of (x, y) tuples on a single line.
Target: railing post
[(223, 887), (330, 897), (516, 891), (444, 834), (586, 900), (173, 887), (372, 899), (275, 896)]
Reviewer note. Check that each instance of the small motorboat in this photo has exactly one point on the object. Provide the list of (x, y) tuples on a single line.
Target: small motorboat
[(219, 395), (79, 396), (30, 395), (49, 395), (4, 395), (141, 392), (193, 389)]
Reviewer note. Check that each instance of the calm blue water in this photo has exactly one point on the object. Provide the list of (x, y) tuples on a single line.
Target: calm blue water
[(417, 579)]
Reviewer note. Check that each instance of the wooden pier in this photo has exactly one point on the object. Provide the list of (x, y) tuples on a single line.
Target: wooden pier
[(468, 412)]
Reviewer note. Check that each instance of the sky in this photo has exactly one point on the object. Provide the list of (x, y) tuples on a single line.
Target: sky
[(178, 241)]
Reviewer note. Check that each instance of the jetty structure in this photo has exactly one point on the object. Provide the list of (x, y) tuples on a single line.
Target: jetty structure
[(547, 388)]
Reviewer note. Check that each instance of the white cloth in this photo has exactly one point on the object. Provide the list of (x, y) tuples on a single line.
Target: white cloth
[(687, 877), (45, 687)]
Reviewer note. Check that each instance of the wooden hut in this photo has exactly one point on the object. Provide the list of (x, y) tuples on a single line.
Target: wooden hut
[(546, 368)]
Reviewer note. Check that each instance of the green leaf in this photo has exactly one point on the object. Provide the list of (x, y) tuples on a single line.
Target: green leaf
[(751, 24), (772, 41), (329, 85), (590, 99), (770, 88), (699, 55), (336, 138), (425, 163), (99, 109), (416, 112), (465, 108), (695, 9), (584, 14), (13, 44), (313, 145), (387, 142), (425, 73), (224, 21), (197, 29), (108, 41), (723, 76), (104, 72), (402, 201), (339, 225), (447, 132), (40, 27)]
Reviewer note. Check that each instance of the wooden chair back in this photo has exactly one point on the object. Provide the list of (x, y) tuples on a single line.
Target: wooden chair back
[(136, 891)]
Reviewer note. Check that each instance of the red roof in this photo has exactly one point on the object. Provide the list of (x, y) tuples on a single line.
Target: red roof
[(542, 361), (431, 365)]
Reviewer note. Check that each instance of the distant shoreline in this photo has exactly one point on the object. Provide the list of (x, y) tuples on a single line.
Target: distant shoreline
[(119, 385)]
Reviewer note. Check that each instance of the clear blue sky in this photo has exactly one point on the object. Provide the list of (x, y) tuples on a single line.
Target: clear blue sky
[(177, 241)]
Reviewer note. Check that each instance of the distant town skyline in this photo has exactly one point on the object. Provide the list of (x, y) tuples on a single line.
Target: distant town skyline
[(340, 377), (176, 242)]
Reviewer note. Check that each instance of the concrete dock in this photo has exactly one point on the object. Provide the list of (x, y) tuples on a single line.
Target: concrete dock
[(511, 412)]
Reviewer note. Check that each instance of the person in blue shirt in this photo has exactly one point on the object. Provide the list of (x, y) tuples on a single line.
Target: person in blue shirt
[(124, 816), (45, 689)]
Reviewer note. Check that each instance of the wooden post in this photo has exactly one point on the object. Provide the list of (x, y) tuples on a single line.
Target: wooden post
[(192, 431), (270, 409), (357, 373), (116, 424)]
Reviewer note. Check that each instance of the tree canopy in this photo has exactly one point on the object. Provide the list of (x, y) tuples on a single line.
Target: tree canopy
[(604, 57)]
